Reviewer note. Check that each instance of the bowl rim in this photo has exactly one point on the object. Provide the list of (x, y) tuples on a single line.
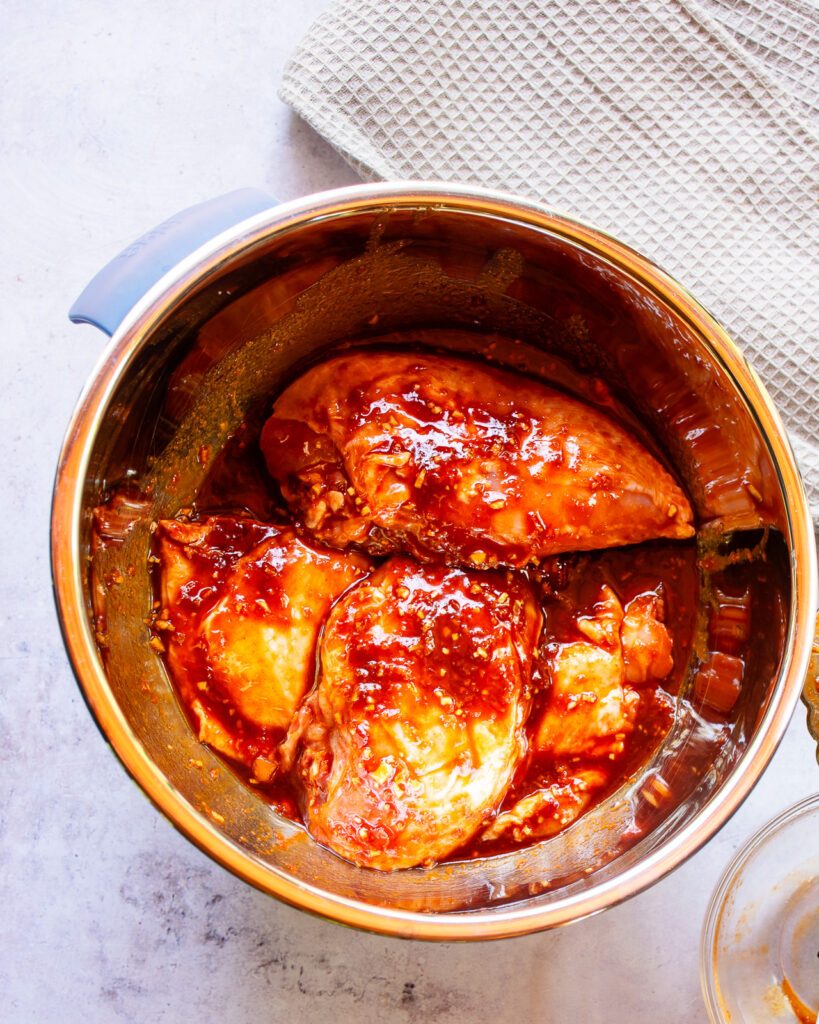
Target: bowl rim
[(717, 903), (67, 564)]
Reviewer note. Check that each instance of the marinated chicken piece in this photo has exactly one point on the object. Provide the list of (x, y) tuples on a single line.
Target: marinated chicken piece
[(550, 809), (590, 711), (243, 604), (647, 646), (590, 708), (438, 456), (414, 731)]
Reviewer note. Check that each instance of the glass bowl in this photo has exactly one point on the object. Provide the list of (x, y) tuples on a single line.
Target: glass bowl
[(760, 941)]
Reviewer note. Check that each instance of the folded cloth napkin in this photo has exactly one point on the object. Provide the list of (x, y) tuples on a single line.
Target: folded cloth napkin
[(688, 129)]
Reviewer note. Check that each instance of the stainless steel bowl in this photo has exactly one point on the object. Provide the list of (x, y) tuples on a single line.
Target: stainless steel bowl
[(224, 321)]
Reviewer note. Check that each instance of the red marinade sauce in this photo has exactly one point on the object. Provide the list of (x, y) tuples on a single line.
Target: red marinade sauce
[(665, 568), (231, 539), (237, 484)]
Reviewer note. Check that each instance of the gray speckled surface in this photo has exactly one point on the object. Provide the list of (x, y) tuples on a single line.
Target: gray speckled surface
[(112, 118)]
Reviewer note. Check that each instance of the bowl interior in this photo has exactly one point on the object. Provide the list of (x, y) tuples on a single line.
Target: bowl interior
[(759, 939), (546, 298)]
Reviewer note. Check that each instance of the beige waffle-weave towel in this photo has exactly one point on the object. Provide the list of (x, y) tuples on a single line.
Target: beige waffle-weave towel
[(688, 129)]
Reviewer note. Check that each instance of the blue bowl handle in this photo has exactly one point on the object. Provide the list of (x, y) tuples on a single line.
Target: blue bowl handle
[(118, 286)]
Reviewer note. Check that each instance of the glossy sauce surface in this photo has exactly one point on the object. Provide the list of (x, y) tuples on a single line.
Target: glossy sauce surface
[(573, 781), (386, 649), (417, 723), (421, 642), (449, 458), (241, 607)]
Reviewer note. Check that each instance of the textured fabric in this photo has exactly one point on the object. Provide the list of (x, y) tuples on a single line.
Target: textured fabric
[(684, 128), (784, 36)]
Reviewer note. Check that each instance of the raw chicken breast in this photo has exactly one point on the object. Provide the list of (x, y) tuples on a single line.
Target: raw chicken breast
[(589, 712), (647, 645), (242, 607), (416, 727), (591, 708), (548, 810), (437, 456)]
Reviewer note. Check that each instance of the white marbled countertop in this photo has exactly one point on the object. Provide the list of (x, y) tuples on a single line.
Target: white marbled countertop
[(113, 117)]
